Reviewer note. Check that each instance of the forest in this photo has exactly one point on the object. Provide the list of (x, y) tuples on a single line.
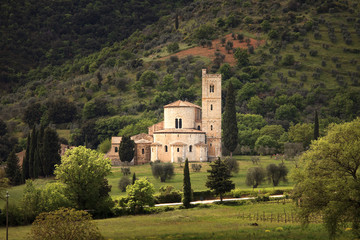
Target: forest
[(92, 70)]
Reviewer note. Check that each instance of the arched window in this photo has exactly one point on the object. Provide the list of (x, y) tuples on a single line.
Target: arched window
[(142, 151), (212, 88), (190, 148), (180, 123), (116, 149), (211, 107), (166, 148), (176, 123), (178, 149), (211, 127), (198, 127)]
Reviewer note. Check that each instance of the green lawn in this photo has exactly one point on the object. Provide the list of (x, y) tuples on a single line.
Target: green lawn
[(206, 222), (198, 179)]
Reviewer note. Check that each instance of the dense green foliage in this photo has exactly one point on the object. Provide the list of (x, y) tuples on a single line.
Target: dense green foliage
[(327, 178), (139, 195), (163, 171), (126, 149), (82, 169), (219, 178), (64, 223)]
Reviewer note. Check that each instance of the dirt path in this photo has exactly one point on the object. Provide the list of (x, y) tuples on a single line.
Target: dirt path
[(216, 44)]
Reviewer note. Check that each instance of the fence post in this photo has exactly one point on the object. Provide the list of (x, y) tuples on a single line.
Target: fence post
[(271, 217)]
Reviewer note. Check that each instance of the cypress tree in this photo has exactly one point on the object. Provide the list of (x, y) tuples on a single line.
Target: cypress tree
[(219, 178), (187, 186), (316, 126), (126, 149), (37, 156), (133, 178), (25, 165), (230, 129), (33, 144), (12, 170), (176, 21), (50, 150)]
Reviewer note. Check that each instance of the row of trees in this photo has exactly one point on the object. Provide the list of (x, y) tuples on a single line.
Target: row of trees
[(42, 153)]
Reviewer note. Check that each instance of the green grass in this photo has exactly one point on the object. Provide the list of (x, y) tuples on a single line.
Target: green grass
[(198, 179), (210, 222)]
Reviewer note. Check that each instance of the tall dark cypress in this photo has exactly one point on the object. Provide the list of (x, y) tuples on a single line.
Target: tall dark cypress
[(33, 144), (50, 151), (316, 126), (133, 178), (230, 129), (25, 165), (187, 186), (37, 155)]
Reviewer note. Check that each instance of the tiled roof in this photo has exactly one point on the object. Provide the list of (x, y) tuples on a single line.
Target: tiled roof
[(179, 130), (180, 103)]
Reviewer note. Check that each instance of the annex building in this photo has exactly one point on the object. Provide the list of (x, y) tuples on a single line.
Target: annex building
[(188, 130)]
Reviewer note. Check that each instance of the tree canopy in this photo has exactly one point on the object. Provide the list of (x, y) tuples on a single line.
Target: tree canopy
[(328, 178), (83, 171)]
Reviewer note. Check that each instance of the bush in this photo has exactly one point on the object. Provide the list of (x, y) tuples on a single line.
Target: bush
[(289, 60), (123, 183), (196, 167), (232, 165), (164, 171), (173, 47), (125, 171), (64, 224), (168, 195)]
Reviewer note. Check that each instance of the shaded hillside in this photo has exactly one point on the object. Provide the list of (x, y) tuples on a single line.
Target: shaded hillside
[(308, 62), (37, 33)]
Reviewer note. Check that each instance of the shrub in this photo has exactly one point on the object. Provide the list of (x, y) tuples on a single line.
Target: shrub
[(125, 171), (64, 224), (168, 194), (123, 183), (196, 167), (255, 176), (173, 47), (232, 165), (313, 53), (289, 60)]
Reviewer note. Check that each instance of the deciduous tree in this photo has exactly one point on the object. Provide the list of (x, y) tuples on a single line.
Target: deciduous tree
[(328, 178), (64, 223), (83, 171), (164, 171), (140, 194), (276, 173)]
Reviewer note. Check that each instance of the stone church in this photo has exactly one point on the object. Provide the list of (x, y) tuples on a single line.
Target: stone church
[(188, 130)]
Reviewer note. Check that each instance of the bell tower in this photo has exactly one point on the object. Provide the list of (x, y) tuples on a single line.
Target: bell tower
[(211, 113)]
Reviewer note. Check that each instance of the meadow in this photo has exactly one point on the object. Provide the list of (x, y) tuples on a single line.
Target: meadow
[(211, 221), (198, 179)]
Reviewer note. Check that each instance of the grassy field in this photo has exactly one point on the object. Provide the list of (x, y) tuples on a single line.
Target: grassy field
[(198, 179), (204, 222)]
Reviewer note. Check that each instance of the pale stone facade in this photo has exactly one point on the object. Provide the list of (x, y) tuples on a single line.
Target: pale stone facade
[(188, 131)]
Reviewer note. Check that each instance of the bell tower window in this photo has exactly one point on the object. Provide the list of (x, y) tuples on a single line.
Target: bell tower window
[(180, 123), (166, 148), (211, 107), (176, 123), (212, 88), (190, 148), (211, 127)]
